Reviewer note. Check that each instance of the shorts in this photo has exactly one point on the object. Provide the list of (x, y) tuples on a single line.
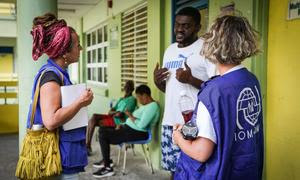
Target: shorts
[(107, 121), (170, 151)]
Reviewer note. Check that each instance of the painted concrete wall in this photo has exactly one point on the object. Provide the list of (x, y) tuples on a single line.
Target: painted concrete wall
[(244, 6), (283, 102), (100, 13)]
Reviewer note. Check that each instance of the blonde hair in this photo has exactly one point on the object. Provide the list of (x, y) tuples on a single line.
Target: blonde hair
[(230, 40)]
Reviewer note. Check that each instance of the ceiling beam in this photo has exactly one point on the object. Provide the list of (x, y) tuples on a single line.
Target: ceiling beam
[(67, 10), (77, 3)]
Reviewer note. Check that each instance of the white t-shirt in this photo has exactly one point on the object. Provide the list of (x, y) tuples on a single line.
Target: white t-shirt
[(201, 68), (205, 124), (203, 119)]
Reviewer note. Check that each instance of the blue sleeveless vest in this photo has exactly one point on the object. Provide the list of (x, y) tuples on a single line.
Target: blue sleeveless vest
[(234, 103), (71, 143)]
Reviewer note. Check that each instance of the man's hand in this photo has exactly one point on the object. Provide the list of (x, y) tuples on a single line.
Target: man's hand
[(160, 76), (184, 76)]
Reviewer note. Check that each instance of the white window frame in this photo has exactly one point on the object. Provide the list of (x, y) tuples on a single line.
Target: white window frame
[(94, 62)]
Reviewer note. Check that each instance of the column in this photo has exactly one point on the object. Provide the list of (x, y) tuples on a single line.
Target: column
[(26, 67)]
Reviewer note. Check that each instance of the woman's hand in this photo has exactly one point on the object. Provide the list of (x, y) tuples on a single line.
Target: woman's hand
[(177, 136), (130, 116), (127, 113), (86, 98)]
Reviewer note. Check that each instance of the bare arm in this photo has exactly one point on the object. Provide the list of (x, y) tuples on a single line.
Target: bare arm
[(50, 100), (185, 76), (130, 116), (160, 76), (200, 149)]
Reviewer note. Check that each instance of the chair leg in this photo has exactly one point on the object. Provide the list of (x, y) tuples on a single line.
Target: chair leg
[(119, 154), (124, 161), (132, 147), (145, 155), (149, 158)]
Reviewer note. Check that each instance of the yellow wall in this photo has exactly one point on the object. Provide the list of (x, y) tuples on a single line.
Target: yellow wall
[(9, 118), (6, 63), (8, 112), (283, 95)]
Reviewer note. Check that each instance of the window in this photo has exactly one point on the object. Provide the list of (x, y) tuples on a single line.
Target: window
[(134, 45), (97, 56)]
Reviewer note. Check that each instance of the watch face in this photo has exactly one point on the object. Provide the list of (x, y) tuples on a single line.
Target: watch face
[(189, 131)]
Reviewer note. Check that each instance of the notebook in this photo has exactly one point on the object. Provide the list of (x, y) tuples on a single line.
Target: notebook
[(69, 94)]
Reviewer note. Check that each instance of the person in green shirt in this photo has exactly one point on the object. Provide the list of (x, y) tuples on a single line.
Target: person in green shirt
[(115, 116), (135, 128)]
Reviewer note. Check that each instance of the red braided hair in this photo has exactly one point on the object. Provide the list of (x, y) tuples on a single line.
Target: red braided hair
[(50, 36)]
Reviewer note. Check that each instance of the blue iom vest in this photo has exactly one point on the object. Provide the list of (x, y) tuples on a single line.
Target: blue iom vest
[(71, 143), (234, 103)]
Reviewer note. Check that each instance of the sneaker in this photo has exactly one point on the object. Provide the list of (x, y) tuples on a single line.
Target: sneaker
[(100, 164), (104, 172)]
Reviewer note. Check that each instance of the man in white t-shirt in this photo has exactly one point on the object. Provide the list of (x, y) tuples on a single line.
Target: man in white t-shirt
[(182, 74)]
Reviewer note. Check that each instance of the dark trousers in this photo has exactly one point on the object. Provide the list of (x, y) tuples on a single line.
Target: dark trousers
[(109, 136)]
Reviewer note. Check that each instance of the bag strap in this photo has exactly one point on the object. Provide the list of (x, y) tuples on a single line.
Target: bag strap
[(37, 92)]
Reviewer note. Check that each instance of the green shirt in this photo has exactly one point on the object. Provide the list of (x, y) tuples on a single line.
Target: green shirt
[(146, 117), (123, 104)]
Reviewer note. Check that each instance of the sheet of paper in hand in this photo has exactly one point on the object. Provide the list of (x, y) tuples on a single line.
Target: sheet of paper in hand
[(69, 94)]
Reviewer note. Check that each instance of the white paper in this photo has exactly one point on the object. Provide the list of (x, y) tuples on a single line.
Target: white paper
[(69, 94)]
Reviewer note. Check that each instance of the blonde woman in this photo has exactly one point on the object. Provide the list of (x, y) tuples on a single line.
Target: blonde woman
[(228, 114)]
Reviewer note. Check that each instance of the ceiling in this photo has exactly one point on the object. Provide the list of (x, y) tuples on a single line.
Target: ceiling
[(67, 8), (75, 8)]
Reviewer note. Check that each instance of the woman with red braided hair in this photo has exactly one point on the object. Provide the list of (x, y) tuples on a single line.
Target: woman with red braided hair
[(60, 42)]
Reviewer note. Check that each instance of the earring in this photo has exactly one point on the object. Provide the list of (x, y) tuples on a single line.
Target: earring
[(65, 59)]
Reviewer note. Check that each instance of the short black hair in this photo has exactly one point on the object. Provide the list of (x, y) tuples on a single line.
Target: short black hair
[(130, 85), (192, 12), (143, 89)]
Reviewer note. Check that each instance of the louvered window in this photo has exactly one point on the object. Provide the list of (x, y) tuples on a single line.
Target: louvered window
[(134, 45), (96, 50)]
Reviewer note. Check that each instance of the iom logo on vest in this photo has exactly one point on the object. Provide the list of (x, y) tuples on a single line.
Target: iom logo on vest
[(248, 109)]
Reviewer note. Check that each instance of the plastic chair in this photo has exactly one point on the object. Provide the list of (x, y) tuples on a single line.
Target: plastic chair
[(146, 151)]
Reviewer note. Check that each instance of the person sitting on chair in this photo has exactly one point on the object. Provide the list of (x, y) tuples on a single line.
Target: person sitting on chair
[(115, 116), (135, 128)]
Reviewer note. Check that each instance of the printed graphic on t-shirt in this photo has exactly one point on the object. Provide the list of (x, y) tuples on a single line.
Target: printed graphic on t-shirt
[(248, 109), (177, 63)]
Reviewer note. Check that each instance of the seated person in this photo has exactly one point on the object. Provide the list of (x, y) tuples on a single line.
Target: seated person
[(115, 116), (134, 129)]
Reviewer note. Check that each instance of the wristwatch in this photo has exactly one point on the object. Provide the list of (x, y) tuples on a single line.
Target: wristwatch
[(189, 131)]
